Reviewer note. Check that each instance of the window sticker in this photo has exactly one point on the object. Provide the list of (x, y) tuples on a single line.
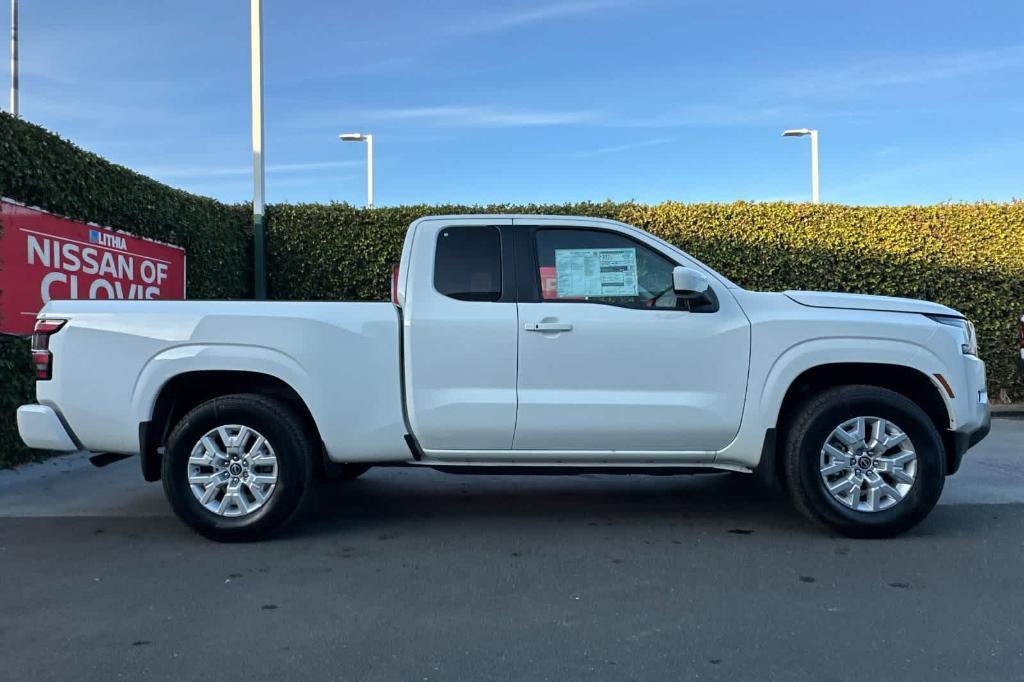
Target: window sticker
[(595, 272)]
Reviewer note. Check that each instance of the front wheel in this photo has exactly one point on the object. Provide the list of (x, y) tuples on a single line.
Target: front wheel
[(238, 468), (865, 461)]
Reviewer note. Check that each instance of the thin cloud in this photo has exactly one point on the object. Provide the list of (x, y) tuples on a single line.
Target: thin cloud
[(205, 172), (861, 78), (623, 147), (741, 113), (476, 116), (500, 21), (392, 66), (315, 165), (490, 116), (230, 188)]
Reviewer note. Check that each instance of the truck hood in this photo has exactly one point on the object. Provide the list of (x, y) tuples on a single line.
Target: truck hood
[(824, 299)]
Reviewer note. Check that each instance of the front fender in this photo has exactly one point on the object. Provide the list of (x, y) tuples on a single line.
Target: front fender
[(807, 355)]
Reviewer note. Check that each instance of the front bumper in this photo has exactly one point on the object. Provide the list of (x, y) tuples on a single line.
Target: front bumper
[(961, 440), (973, 418), (41, 428)]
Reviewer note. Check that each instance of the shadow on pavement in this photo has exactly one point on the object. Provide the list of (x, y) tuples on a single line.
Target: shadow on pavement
[(384, 496)]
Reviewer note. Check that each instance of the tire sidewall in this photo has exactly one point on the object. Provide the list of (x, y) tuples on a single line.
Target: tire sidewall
[(271, 420), (906, 415)]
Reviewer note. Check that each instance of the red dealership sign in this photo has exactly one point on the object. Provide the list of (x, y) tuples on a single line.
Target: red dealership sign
[(44, 257)]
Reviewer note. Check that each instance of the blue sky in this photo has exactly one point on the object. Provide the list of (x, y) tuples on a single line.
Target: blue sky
[(544, 101)]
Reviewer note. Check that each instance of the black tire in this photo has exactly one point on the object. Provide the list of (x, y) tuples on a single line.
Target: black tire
[(810, 429), (294, 446)]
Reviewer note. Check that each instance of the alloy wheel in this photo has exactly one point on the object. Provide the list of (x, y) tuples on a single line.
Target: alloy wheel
[(232, 470), (868, 464)]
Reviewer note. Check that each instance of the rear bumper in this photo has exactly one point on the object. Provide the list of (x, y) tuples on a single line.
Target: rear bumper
[(41, 428)]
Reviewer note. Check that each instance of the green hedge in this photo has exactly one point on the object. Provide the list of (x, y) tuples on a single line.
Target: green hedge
[(40, 169), (325, 252), (968, 256), (17, 387)]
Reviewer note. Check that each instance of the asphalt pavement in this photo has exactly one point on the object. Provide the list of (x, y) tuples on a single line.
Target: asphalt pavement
[(412, 574)]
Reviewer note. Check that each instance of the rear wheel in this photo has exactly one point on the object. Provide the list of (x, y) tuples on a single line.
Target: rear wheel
[(865, 461), (238, 468)]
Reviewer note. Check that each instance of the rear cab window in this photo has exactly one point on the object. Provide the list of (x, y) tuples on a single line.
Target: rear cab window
[(467, 263)]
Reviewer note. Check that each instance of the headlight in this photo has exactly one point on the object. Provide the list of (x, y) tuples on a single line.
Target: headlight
[(969, 345)]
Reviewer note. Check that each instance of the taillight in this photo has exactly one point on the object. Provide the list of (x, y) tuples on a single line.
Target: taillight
[(394, 285), (42, 358), (1020, 334)]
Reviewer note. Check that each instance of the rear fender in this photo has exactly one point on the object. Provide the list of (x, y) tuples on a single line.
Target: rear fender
[(178, 360)]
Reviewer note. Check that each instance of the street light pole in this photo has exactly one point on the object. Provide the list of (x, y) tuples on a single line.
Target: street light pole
[(815, 195), (813, 134), (259, 228), (14, 57), (368, 139), (369, 171)]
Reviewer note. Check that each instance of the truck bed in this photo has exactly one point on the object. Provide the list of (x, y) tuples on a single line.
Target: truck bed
[(341, 358)]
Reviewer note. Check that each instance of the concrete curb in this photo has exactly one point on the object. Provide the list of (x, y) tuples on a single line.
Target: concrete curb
[(1014, 410)]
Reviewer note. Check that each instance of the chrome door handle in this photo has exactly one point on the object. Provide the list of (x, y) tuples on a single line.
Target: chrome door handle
[(548, 327)]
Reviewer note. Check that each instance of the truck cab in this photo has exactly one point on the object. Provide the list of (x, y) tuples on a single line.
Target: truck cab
[(558, 340)]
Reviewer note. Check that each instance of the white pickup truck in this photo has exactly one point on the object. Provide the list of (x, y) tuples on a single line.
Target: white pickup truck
[(520, 344)]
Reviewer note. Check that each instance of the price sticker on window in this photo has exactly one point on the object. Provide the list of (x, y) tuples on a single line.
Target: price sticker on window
[(595, 272)]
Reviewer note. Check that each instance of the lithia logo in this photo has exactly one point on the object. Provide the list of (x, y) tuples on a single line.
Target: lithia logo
[(107, 239)]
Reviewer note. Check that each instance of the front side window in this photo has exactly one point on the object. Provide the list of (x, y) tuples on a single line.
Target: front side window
[(467, 263), (602, 267)]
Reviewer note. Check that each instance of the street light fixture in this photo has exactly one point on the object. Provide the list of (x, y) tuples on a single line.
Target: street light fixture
[(368, 139), (803, 132)]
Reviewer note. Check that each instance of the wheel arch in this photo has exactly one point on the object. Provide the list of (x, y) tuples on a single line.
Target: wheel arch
[(183, 392), (905, 380)]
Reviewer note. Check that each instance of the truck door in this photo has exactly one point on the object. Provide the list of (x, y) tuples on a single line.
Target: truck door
[(460, 340), (610, 360)]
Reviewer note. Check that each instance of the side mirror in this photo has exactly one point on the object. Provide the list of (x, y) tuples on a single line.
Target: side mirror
[(688, 282)]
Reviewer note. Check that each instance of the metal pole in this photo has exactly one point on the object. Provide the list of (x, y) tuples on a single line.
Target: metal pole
[(259, 229), (369, 171), (815, 198), (14, 57)]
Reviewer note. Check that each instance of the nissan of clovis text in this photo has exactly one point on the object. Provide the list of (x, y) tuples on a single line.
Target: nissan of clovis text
[(520, 344)]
